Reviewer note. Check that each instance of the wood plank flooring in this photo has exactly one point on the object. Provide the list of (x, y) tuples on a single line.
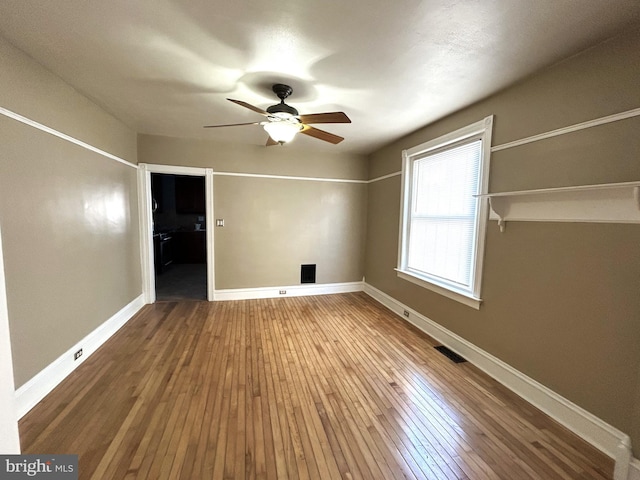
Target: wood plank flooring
[(322, 387)]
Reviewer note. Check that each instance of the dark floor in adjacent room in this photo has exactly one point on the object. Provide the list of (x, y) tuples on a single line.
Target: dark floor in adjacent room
[(182, 281)]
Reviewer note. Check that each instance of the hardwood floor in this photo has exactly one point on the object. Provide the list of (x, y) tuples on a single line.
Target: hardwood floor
[(322, 387)]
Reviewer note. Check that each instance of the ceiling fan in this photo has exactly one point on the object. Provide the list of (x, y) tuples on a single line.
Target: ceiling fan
[(284, 121)]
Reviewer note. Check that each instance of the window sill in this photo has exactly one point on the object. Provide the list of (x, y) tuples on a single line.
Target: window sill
[(466, 299)]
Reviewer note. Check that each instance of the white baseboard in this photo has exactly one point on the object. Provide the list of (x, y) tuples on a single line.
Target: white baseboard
[(291, 291), (609, 440), (29, 394)]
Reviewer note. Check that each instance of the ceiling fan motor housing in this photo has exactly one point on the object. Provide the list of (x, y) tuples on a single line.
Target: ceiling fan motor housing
[(282, 91), (282, 108)]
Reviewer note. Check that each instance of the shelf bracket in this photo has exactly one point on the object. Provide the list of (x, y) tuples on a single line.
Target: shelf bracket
[(499, 207)]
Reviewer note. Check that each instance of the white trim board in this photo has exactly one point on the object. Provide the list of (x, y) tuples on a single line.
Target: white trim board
[(384, 177), (63, 136), (571, 128), (10, 438), (199, 171), (174, 169), (291, 291), (32, 392), (288, 177), (145, 220), (604, 437)]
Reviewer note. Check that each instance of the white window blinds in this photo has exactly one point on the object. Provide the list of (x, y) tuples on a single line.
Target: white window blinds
[(442, 224)]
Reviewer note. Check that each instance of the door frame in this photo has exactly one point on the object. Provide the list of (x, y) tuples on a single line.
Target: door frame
[(146, 223), (10, 441)]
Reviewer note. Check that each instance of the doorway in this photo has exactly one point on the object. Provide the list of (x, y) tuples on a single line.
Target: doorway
[(179, 237), (177, 247)]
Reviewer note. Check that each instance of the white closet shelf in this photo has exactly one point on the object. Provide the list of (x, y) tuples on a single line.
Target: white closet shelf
[(603, 203)]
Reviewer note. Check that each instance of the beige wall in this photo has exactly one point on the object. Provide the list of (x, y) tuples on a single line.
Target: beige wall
[(273, 225), (228, 157), (69, 216), (561, 301), (30, 90)]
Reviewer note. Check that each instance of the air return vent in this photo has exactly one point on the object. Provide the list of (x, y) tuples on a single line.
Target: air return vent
[(308, 273), (450, 354)]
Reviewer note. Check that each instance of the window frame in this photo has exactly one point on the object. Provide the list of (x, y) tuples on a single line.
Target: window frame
[(481, 130)]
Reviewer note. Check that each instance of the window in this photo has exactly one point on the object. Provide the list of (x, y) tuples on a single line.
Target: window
[(443, 223)]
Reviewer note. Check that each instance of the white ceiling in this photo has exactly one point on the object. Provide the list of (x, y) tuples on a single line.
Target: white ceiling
[(167, 66)]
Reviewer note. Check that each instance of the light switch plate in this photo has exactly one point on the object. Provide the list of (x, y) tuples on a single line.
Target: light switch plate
[(220, 222)]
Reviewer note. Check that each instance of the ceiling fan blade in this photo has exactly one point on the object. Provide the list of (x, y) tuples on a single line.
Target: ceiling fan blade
[(249, 106), (231, 125), (271, 142), (321, 134), (330, 117)]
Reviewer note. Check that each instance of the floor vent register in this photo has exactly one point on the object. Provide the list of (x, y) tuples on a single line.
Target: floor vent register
[(450, 354)]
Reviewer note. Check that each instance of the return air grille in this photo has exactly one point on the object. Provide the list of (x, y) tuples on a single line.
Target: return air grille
[(450, 354), (308, 273)]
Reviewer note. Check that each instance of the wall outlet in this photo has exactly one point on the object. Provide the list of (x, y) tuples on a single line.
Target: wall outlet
[(219, 222), (77, 355), (406, 313), (283, 292)]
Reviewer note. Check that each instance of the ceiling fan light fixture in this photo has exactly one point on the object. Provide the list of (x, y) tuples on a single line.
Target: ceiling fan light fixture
[(284, 121), (282, 132)]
